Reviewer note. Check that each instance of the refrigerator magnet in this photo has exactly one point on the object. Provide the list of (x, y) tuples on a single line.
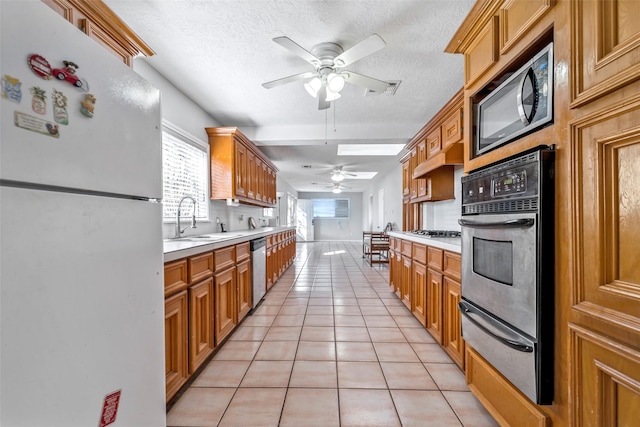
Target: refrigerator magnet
[(36, 124), (87, 105), (68, 74), (39, 100), (11, 89), (40, 66), (60, 114)]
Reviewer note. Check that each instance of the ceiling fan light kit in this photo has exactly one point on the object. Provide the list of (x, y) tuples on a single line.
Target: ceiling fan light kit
[(328, 59), (337, 177)]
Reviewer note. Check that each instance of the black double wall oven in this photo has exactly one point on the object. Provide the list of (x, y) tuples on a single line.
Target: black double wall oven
[(507, 301)]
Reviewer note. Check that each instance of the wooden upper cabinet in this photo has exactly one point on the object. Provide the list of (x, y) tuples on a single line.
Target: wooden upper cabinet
[(452, 129), (517, 17), (238, 167), (482, 53), (99, 22), (406, 178), (434, 142), (605, 42)]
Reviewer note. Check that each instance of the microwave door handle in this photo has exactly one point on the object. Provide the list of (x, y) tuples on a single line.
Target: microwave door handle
[(491, 327), (528, 77), (512, 223)]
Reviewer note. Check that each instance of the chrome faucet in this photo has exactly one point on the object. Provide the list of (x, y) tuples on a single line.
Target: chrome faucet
[(193, 217)]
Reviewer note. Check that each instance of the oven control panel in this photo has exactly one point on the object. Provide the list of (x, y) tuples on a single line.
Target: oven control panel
[(509, 183)]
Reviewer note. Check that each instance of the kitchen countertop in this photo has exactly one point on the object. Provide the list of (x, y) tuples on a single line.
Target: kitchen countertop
[(191, 245), (453, 244)]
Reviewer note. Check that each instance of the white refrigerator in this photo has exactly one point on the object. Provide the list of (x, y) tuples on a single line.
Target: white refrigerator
[(81, 261)]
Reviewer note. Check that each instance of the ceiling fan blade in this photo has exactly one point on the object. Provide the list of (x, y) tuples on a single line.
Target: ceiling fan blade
[(371, 44), (364, 81), (323, 104), (294, 47), (285, 80)]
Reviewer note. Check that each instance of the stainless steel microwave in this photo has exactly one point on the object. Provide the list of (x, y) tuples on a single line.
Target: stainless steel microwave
[(519, 105)]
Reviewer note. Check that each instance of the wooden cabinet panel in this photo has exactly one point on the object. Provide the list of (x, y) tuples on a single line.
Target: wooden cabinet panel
[(434, 258), (200, 267), (606, 191), (452, 265), (421, 157), (226, 314), (252, 182), (419, 253), (452, 129), (269, 267), (413, 162), (418, 291), (434, 142), (517, 17), (97, 21), (482, 53), (175, 277), (243, 251), (605, 42), (406, 179), (176, 343), (243, 283), (606, 377), (224, 258), (405, 282), (406, 248), (240, 173), (201, 342), (452, 326), (503, 401), (434, 304), (259, 180)]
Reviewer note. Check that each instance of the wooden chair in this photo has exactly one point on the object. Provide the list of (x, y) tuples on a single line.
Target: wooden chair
[(375, 247)]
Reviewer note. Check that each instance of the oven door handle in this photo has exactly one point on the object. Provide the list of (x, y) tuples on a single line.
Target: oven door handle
[(496, 330), (512, 223)]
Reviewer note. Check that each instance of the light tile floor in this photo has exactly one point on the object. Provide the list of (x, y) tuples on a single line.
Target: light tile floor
[(330, 346)]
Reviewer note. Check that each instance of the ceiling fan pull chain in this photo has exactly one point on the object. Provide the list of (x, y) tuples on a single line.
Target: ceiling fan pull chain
[(326, 114)]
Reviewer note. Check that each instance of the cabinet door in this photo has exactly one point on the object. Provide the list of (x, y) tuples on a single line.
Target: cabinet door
[(392, 266), (434, 304), (421, 157), (434, 142), (226, 305), (452, 333), (175, 343), (201, 343), (418, 292), (269, 268), (240, 172), (452, 129), (251, 175), (406, 179), (243, 284), (413, 162), (259, 177), (405, 283), (398, 274)]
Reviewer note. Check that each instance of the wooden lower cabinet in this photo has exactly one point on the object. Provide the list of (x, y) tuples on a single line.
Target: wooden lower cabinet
[(503, 401), (176, 342), (434, 304), (243, 284), (269, 268), (226, 316), (201, 343), (405, 282), (452, 327), (418, 291)]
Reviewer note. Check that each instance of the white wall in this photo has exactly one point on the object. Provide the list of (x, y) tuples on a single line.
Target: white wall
[(338, 229), (444, 215), (392, 185), (182, 112)]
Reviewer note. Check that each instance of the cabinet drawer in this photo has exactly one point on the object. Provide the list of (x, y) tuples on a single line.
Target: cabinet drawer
[(270, 240), (434, 258), (224, 258), (419, 253), (452, 265), (405, 246), (200, 267), (175, 277), (242, 252)]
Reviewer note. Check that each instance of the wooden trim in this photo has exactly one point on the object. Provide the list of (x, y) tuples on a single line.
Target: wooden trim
[(482, 11)]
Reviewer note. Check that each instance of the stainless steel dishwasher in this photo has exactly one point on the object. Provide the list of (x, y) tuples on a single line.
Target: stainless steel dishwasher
[(258, 269)]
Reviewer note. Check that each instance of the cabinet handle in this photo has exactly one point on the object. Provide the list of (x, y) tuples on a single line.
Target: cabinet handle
[(513, 223)]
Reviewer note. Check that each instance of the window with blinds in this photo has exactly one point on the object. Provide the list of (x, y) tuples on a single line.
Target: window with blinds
[(184, 170), (331, 208)]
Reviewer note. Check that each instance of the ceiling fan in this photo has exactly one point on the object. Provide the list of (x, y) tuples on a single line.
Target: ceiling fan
[(338, 174), (329, 75), (337, 188)]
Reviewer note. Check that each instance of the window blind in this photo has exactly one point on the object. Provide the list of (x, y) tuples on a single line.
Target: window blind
[(184, 170), (331, 208)]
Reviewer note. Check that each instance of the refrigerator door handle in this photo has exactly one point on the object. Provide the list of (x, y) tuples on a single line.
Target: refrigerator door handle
[(493, 328)]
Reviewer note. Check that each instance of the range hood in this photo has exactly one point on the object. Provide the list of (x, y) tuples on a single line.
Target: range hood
[(449, 156)]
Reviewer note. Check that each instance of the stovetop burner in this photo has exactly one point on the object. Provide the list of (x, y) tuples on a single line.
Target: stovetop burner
[(437, 233)]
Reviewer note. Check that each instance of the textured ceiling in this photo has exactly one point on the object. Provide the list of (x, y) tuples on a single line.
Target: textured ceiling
[(219, 52)]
